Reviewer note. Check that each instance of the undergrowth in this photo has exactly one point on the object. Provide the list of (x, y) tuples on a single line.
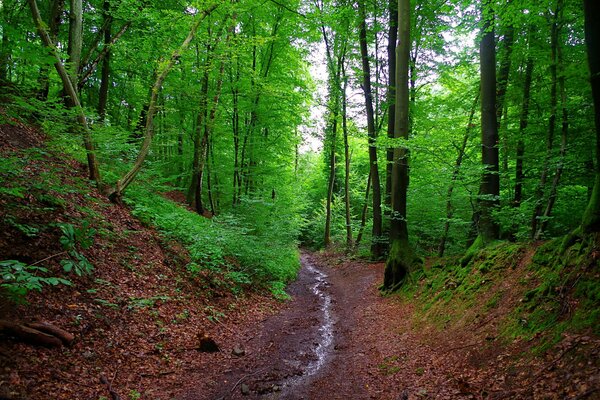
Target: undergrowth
[(553, 294), (246, 254)]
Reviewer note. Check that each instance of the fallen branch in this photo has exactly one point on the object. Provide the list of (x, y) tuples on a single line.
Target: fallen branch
[(242, 378), (114, 395), (30, 335), (45, 327)]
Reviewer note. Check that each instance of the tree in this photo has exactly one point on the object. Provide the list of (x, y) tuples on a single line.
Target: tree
[(377, 245), (591, 217), (489, 189), (401, 257)]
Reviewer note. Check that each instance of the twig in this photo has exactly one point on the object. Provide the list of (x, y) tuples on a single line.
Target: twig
[(586, 393), (461, 347), (163, 373), (242, 378), (48, 258), (114, 395)]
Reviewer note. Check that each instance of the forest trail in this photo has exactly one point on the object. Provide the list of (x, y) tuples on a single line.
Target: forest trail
[(303, 351), (337, 339)]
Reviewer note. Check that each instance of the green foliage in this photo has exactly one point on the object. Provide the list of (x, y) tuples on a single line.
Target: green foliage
[(72, 240), (241, 246), (149, 302), (18, 279)]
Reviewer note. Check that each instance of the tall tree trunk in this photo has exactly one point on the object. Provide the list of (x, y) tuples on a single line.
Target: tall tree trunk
[(501, 87), (363, 216), (53, 28), (116, 192), (200, 137), (455, 174), (541, 188), (105, 75), (331, 181), (489, 190), (347, 164), (75, 39), (591, 217), (523, 123), (390, 99), (400, 258), (377, 245), (561, 154), (71, 92)]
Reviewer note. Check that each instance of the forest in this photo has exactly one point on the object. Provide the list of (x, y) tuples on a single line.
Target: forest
[(200, 173)]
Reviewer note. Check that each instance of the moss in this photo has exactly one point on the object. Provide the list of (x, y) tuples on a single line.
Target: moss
[(400, 262)]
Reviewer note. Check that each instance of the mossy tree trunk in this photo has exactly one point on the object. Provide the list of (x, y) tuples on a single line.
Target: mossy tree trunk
[(591, 217), (401, 256)]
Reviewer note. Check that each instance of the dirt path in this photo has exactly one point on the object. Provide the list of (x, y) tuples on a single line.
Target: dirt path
[(303, 352), (339, 339)]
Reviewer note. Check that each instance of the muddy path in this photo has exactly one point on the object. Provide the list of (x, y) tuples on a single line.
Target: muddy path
[(305, 351)]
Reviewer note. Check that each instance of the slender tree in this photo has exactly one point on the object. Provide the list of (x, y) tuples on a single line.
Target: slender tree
[(377, 245)]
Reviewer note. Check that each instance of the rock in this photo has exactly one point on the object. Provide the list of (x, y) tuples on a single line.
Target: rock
[(245, 389), (238, 351)]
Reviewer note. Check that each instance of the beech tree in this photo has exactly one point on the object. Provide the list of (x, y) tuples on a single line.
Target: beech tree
[(401, 257)]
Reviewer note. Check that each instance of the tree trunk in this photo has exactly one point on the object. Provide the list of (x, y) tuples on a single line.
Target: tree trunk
[(70, 91), (200, 137), (363, 217), (541, 188), (116, 192), (400, 258), (523, 122), (105, 75), (75, 39), (455, 174), (377, 245), (561, 154), (489, 190), (331, 181), (591, 217), (347, 164), (53, 28), (390, 99)]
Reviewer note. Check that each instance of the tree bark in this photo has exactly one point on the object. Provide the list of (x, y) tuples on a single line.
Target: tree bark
[(53, 28), (363, 217), (105, 74), (347, 164), (377, 245), (75, 39), (591, 218), (455, 174), (489, 190), (541, 188), (70, 91), (401, 255), (523, 123), (391, 99)]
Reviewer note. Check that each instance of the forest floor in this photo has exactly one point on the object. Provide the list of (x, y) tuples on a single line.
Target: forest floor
[(139, 319)]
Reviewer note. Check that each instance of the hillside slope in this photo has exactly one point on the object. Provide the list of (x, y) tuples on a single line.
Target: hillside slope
[(137, 316)]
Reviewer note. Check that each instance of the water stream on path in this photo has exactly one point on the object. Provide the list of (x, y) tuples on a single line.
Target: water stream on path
[(324, 340)]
